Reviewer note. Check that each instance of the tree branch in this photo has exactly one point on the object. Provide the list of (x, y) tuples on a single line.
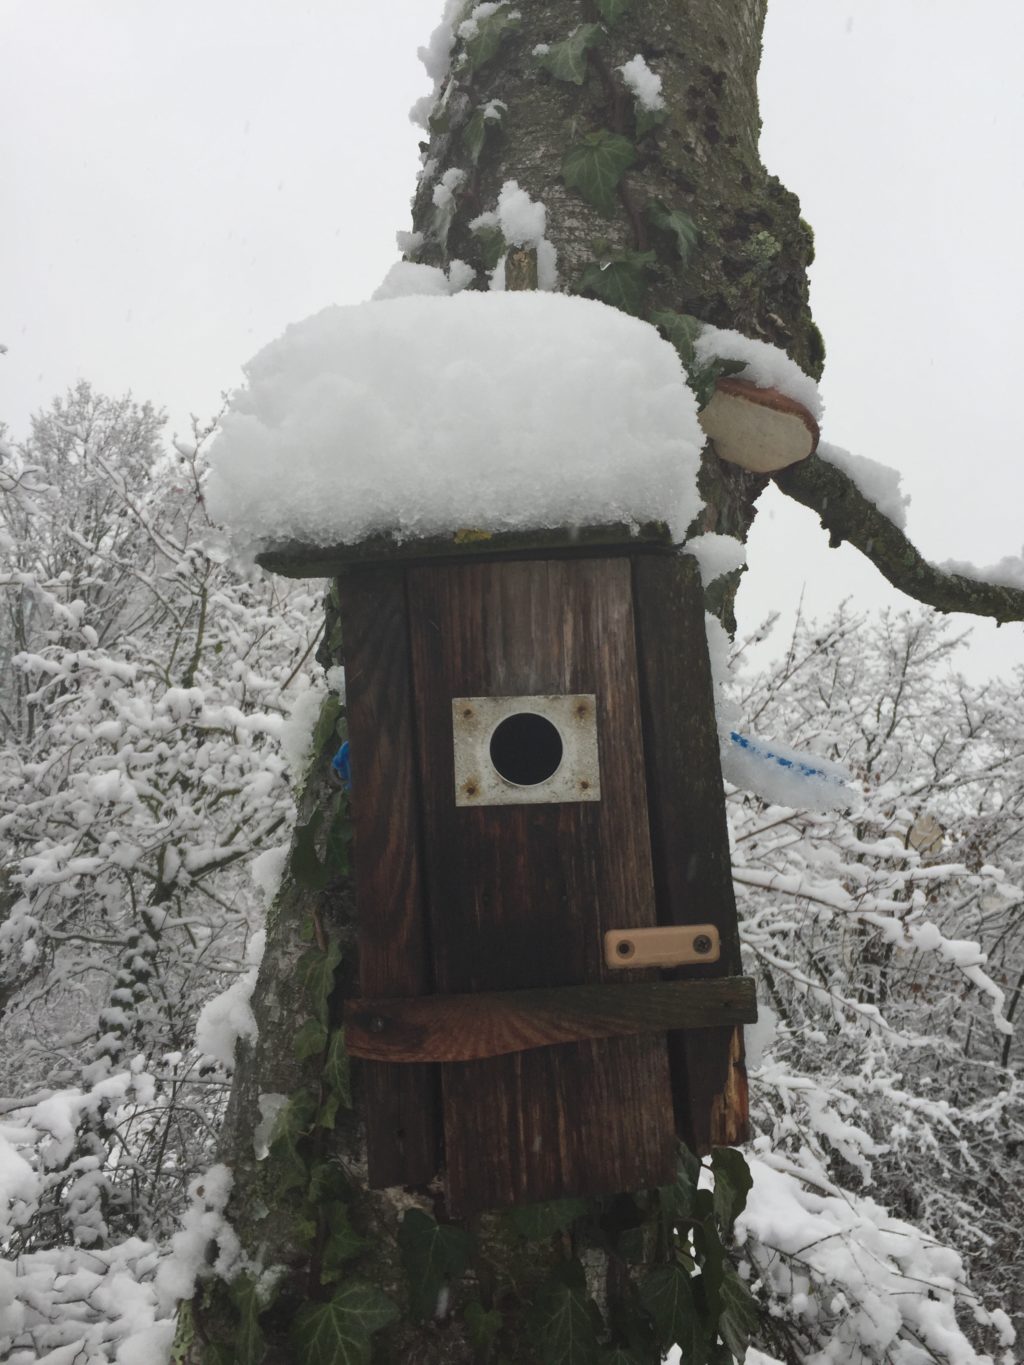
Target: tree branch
[(848, 515)]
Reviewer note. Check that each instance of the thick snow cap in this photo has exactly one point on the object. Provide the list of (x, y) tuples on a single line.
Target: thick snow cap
[(421, 416)]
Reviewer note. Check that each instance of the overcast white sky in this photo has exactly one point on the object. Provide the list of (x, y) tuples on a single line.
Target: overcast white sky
[(180, 181)]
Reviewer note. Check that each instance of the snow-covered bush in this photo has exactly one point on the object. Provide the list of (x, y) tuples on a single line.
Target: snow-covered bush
[(888, 949), (148, 680)]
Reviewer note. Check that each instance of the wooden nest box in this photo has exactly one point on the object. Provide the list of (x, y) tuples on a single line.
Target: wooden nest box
[(548, 952)]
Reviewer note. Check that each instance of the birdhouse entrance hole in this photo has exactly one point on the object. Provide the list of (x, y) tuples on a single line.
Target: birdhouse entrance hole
[(526, 749)]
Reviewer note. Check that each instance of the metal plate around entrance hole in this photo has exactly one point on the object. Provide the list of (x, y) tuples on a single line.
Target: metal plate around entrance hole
[(576, 774)]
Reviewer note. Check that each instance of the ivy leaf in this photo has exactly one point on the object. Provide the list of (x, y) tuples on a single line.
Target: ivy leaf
[(679, 1199), (565, 1322), (339, 1332), (621, 282), (339, 841), (316, 973), (343, 1243), (483, 1324), (492, 245), (433, 1254), (250, 1343), (702, 379), (732, 1185), (328, 1182), (476, 131), (596, 165), (667, 1294), (310, 1040), (307, 869), (536, 1222), (682, 330), (293, 1123), (490, 34), (567, 60), (611, 11), (326, 721), (739, 1315), (337, 1075), (474, 136), (675, 221)]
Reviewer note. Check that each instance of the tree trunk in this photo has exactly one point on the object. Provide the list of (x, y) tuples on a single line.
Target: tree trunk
[(584, 1280)]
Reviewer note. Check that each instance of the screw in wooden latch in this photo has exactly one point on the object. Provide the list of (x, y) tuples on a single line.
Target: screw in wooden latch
[(377, 1024), (667, 945)]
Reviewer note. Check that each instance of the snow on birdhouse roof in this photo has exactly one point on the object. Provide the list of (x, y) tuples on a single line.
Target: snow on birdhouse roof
[(415, 417)]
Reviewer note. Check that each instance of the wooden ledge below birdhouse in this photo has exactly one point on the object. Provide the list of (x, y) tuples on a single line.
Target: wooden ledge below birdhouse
[(469, 1028), (296, 560), (762, 430)]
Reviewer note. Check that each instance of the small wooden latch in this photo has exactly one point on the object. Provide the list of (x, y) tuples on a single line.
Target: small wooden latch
[(666, 946)]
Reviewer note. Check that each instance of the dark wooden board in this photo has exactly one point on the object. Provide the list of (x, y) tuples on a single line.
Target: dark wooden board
[(468, 1028), (294, 559), (402, 1102), (521, 896), (689, 833)]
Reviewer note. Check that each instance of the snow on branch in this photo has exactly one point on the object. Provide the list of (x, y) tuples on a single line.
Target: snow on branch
[(847, 513)]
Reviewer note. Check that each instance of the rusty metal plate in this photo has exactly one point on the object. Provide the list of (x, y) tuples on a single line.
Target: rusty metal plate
[(515, 751)]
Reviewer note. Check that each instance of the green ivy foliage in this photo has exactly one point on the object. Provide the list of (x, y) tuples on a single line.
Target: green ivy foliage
[(595, 166), (567, 60), (491, 33)]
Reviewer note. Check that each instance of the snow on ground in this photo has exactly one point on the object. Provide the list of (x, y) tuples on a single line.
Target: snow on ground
[(419, 416)]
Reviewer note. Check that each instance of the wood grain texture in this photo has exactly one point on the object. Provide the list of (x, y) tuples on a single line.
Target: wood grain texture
[(402, 1102), (521, 896), (469, 1028), (689, 833)]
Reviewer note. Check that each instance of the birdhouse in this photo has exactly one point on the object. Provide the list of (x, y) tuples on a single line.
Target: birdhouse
[(549, 989), (548, 957)]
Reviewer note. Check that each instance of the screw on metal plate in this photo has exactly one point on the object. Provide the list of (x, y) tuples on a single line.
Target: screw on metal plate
[(377, 1024)]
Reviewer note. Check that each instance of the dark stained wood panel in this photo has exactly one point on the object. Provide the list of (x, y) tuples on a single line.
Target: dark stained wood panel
[(402, 1102), (465, 1028), (689, 832), (520, 896)]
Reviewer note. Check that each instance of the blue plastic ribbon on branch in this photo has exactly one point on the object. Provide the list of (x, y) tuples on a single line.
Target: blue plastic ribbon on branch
[(793, 764)]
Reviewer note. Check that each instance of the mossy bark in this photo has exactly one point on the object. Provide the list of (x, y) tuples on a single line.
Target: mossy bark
[(747, 270)]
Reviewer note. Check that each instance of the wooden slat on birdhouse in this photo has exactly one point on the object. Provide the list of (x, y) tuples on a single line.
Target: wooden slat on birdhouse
[(402, 1102), (689, 832), (469, 1028), (521, 895)]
